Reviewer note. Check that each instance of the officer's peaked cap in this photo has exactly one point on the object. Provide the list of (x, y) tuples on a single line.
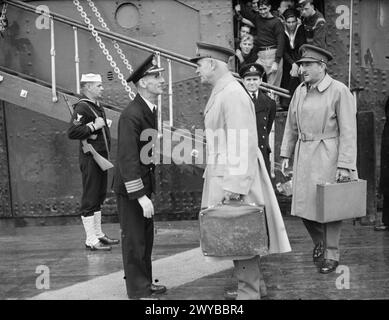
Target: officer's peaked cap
[(251, 69), (207, 50), (147, 67), (310, 53)]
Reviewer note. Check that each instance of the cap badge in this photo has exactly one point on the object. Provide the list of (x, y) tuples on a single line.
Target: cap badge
[(253, 69)]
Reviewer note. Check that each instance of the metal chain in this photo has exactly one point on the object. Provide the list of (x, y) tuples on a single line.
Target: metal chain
[(115, 43), (3, 18), (105, 51)]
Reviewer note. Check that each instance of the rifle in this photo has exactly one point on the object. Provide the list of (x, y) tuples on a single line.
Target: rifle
[(103, 163)]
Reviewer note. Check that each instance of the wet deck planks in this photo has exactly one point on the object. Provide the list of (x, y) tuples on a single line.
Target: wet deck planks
[(288, 276)]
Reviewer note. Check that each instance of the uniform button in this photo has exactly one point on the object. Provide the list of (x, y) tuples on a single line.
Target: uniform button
[(265, 118), (264, 128), (263, 137), (261, 147)]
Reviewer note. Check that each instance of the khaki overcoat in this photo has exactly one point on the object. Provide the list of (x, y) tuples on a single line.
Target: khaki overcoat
[(321, 130), (234, 161)]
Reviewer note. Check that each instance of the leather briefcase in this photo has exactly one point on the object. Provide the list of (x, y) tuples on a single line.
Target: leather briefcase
[(341, 201), (234, 229)]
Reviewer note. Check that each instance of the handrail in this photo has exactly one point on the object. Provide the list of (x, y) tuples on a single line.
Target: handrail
[(108, 34), (134, 43), (48, 85)]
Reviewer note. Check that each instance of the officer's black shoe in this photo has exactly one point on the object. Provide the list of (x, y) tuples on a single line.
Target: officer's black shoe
[(99, 246), (157, 289), (328, 266), (105, 240), (318, 261)]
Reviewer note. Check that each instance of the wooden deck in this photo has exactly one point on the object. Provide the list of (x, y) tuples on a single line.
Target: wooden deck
[(363, 271)]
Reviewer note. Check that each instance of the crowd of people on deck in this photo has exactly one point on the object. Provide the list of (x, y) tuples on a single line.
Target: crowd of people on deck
[(272, 38)]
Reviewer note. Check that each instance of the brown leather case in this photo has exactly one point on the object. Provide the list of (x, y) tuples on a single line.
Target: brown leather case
[(233, 229)]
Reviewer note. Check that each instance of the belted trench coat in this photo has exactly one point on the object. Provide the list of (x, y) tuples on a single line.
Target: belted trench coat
[(321, 130), (234, 161)]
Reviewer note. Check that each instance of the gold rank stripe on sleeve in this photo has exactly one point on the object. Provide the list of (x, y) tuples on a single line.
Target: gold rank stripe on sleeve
[(133, 186)]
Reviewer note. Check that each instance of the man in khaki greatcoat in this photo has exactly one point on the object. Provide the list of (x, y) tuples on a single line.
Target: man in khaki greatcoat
[(235, 165), (321, 130)]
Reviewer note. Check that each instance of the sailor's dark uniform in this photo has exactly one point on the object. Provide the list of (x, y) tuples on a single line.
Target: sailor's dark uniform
[(94, 180)]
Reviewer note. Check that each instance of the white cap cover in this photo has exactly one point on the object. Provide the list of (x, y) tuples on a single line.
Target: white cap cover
[(91, 77)]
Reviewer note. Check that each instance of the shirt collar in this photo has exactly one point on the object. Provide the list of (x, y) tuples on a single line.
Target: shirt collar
[(322, 85), (255, 93), (149, 103)]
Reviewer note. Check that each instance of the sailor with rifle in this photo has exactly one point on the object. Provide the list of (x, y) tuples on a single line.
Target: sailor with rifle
[(90, 125)]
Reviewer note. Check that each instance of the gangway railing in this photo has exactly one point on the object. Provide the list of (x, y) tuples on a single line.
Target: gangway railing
[(117, 37), (173, 56)]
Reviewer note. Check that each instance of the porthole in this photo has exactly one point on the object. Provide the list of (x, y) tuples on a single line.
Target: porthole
[(127, 15)]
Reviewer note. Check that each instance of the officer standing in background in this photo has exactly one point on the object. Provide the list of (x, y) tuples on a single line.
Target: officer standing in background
[(135, 181), (265, 108), (89, 125)]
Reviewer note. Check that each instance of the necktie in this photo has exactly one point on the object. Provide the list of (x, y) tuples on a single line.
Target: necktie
[(253, 95)]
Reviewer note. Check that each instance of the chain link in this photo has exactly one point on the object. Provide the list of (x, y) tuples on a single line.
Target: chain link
[(105, 27), (3, 18), (105, 51)]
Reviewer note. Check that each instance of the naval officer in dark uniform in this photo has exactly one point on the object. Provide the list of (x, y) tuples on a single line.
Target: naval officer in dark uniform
[(90, 125), (135, 181), (265, 108)]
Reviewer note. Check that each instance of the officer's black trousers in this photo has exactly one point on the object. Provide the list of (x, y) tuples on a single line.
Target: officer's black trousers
[(94, 185), (137, 244)]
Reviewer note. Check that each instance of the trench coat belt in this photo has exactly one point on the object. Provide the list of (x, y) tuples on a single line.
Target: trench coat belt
[(317, 136)]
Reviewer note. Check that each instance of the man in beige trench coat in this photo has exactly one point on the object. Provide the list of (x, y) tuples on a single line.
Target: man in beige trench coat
[(321, 130), (232, 174)]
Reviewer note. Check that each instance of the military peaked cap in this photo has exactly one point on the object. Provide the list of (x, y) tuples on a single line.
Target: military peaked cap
[(147, 67), (207, 50), (310, 53), (251, 69)]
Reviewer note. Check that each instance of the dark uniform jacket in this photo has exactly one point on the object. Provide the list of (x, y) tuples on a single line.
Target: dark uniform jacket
[(265, 112), (81, 125), (133, 176), (315, 30)]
